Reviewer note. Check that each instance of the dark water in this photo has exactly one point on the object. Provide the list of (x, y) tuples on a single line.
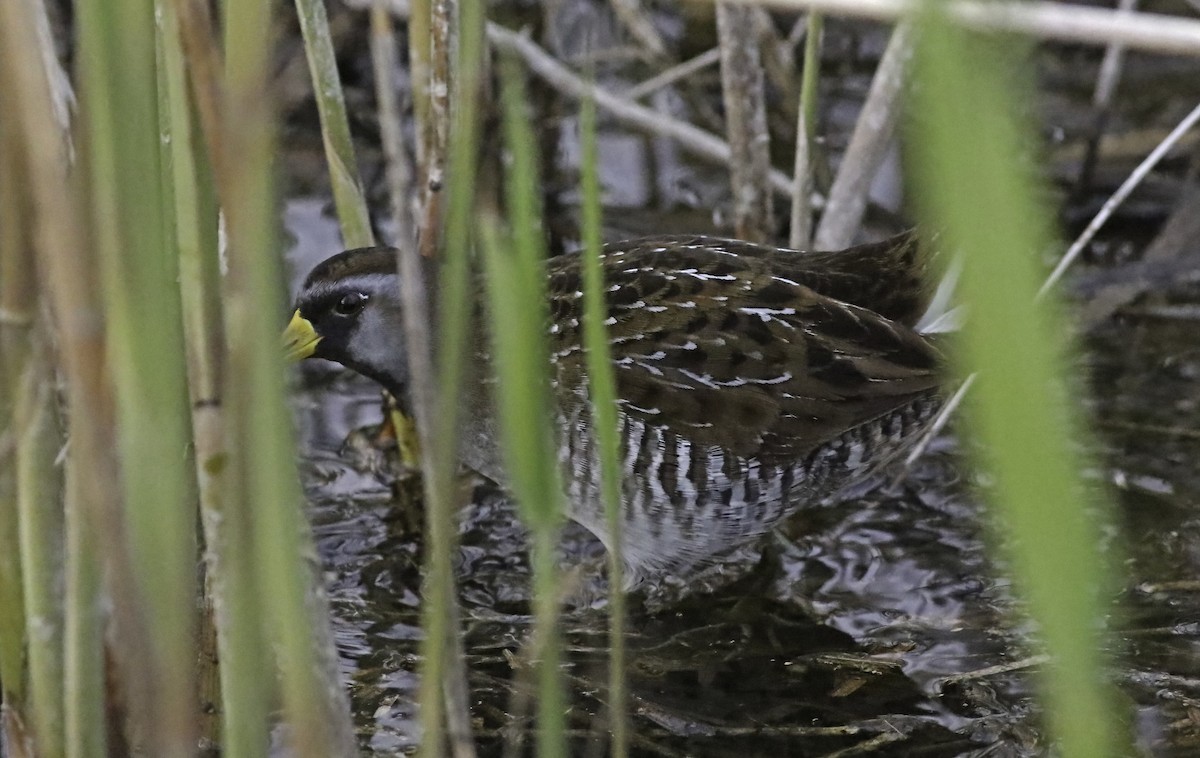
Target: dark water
[(880, 625)]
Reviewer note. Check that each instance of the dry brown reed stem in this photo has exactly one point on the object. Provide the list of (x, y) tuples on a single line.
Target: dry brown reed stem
[(698, 142), (417, 13), (746, 123), (435, 130), (778, 57), (1152, 32), (63, 254), (873, 133)]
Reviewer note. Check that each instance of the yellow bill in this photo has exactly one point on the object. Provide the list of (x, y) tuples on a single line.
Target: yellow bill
[(299, 339)]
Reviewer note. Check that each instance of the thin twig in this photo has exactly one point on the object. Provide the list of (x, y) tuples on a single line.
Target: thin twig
[(1105, 212), (1118, 197), (1106, 85), (1003, 668), (696, 141), (1153, 32), (939, 423), (674, 74), (873, 133)]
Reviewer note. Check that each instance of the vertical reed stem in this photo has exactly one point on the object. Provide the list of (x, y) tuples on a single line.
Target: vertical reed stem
[(744, 96)]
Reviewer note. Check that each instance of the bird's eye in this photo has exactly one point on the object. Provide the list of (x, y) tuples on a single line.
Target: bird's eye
[(350, 304)]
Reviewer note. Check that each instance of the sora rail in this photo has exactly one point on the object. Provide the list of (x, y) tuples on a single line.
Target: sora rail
[(751, 381)]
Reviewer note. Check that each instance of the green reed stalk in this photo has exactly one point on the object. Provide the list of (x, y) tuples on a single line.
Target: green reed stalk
[(453, 303), (806, 130), (522, 397), (39, 437), (17, 307), (516, 274), (247, 691), (119, 81), (335, 129), (188, 186), (969, 146), (265, 489), (83, 677), (602, 385)]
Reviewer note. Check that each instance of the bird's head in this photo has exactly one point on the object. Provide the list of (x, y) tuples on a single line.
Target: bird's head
[(348, 311)]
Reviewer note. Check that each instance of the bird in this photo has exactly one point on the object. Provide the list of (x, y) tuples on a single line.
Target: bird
[(752, 381)]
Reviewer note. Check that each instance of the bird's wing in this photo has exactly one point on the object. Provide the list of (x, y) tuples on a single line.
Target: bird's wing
[(721, 349)]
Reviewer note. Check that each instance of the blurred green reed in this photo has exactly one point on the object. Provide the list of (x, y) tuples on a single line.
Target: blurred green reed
[(974, 186), (264, 480)]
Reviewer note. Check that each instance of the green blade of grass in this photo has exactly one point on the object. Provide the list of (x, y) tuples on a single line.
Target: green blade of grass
[(335, 129), (523, 407), (188, 183), (973, 190), (516, 274), (806, 129), (602, 386)]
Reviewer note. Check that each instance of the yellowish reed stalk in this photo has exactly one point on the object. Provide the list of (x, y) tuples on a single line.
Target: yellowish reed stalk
[(192, 236)]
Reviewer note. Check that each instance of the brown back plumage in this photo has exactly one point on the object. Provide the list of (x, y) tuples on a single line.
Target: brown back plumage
[(766, 354)]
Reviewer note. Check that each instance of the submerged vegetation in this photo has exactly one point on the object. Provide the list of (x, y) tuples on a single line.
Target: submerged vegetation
[(161, 589)]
